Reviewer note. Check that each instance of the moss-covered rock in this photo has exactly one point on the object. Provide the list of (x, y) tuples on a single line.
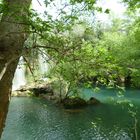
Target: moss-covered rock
[(71, 103)]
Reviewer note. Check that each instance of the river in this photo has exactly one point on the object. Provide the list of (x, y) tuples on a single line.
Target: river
[(37, 119)]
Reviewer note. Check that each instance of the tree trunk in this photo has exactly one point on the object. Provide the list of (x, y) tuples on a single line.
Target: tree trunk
[(5, 90), (127, 81), (13, 33)]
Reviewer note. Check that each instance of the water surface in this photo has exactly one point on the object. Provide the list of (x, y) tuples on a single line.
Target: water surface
[(38, 119)]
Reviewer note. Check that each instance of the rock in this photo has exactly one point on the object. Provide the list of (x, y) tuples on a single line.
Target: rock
[(72, 103), (18, 93), (41, 90), (93, 101), (36, 89)]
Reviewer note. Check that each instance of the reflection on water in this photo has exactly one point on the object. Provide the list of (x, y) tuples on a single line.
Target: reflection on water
[(36, 119)]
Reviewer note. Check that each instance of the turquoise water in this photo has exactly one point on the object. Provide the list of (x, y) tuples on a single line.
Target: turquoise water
[(38, 119)]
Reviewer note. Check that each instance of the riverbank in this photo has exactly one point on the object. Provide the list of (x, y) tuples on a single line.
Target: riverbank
[(46, 91)]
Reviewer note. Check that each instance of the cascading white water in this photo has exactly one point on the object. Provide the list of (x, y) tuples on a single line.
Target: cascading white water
[(19, 77)]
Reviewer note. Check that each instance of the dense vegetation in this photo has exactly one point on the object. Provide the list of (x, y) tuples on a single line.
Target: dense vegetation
[(80, 49), (89, 53)]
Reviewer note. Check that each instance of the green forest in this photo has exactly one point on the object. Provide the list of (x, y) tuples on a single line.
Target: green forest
[(93, 67)]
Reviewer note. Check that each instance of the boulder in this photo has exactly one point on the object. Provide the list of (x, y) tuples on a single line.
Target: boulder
[(73, 103)]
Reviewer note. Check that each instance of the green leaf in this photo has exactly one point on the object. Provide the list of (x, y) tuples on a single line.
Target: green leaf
[(107, 11)]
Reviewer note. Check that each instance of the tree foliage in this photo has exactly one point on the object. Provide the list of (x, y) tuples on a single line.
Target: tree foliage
[(87, 53), (81, 52)]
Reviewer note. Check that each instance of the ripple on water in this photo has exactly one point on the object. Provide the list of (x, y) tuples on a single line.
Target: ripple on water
[(29, 119)]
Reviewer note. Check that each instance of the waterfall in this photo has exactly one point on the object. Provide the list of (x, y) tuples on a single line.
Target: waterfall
[(19, 77)]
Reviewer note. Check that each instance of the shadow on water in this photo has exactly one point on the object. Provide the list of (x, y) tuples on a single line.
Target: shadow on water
[(38, 119)]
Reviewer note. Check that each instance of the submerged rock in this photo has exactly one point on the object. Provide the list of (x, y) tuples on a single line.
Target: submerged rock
[(71, 103)]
